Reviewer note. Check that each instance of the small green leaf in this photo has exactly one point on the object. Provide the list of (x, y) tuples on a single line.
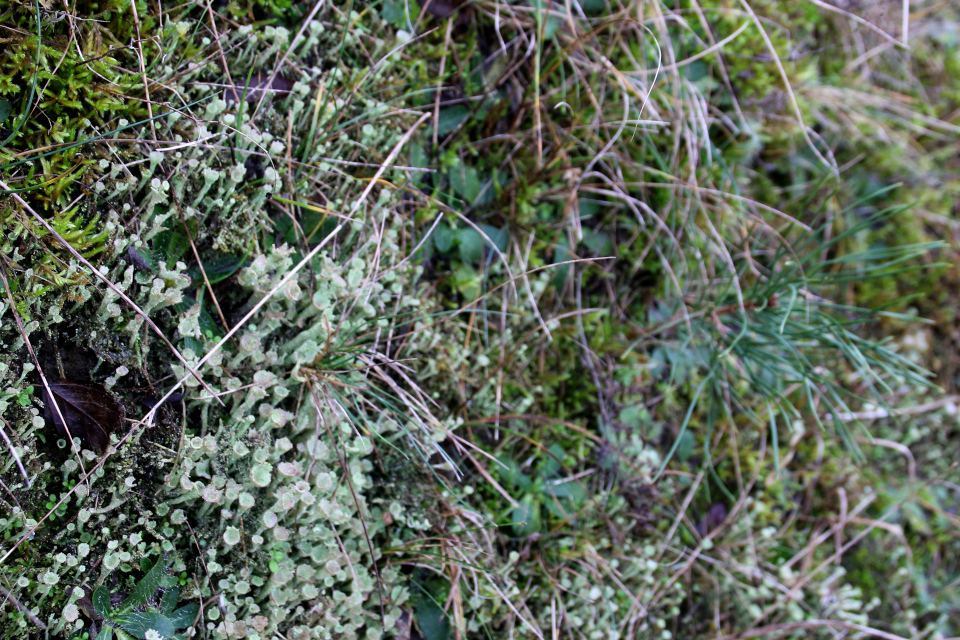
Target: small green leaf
[(695, 71), (427, 598), (218, 268), (106, 633), (194, 345), (571, 490), (145, 588), (510, 472), (593, 7), (170, 246), (451, 118), (467, 281), (500, 237), (169, 600), (597, 242), (550, 27), (443, 238), (526, 516), (101, 601), (137, 623), (560, 509), (208, 326), (589, 209), (561, 253), (471, 245), (432, 621), (636, 416), (418, 159), (5, 109), (465, 182), (552, 461), (686, 446), (184, 616), (400, 13)]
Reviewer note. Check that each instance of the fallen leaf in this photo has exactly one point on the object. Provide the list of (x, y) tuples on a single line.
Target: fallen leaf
[(140, 261), (259, 83), (90, 411), (174, 400), (173, 403), (714, 518), (442, 8)]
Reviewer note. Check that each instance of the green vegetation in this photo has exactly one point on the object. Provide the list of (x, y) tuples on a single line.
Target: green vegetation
[(479, 320), (136, 617)]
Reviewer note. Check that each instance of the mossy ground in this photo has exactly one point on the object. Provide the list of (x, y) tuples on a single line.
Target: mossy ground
[(539, 324)]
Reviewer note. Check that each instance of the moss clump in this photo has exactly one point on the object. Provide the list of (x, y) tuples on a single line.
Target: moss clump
[(64, 79)]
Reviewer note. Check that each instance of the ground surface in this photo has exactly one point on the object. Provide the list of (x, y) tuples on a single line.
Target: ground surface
[(479, 319)]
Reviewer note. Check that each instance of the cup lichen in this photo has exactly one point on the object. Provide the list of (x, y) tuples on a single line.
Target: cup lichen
[(282, 539)]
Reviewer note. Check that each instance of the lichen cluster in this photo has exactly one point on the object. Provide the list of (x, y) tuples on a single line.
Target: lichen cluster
[(259, 490)]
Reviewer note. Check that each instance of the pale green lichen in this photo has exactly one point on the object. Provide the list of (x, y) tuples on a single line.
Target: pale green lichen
[(250, 501)]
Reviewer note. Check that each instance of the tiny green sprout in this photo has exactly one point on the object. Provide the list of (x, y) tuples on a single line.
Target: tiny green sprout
[(23, 399), (58, 511), (277, 556)]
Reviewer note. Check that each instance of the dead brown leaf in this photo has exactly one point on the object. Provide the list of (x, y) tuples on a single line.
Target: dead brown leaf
[(90, 411)]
